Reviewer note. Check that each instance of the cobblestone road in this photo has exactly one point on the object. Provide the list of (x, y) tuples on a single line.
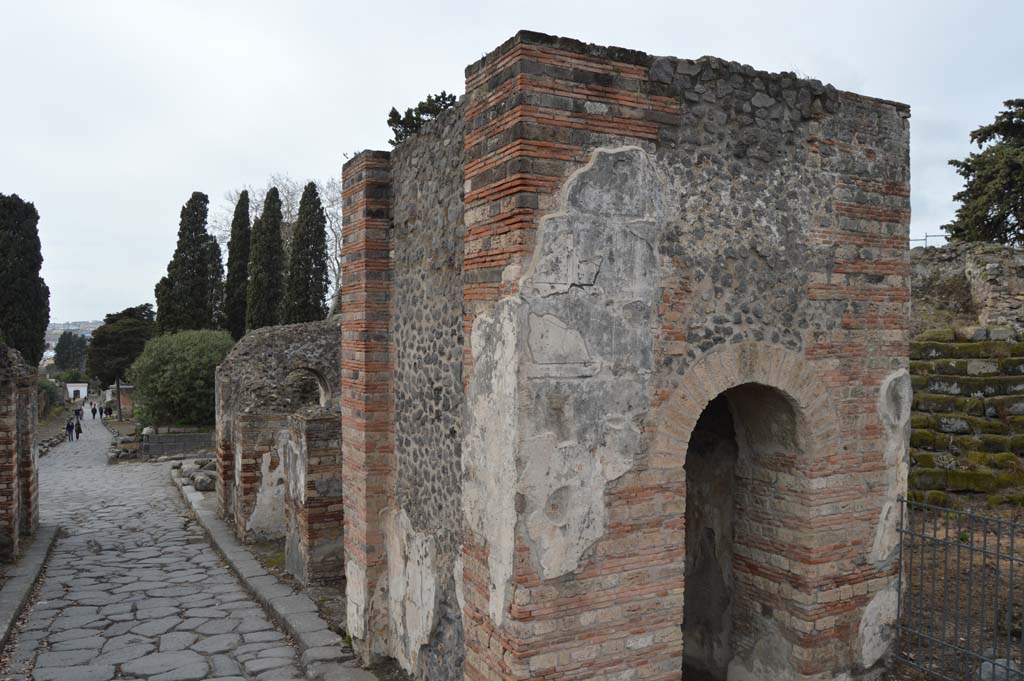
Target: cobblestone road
[(133, 590)]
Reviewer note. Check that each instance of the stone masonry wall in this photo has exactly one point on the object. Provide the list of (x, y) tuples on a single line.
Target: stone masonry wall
[(19, 511), (641, 235), (426, 328), (668, 230)]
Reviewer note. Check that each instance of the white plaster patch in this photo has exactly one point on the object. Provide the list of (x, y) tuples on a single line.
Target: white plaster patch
[(457, 570), (488, 459), (877, 626), (412, 587), (894, 404), (267, 518), (355, 599)]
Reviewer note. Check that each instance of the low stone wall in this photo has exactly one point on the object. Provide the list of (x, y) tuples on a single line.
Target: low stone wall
[(166, 444), (967, 422)]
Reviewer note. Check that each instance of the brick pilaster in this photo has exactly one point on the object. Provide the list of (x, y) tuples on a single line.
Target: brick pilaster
[(366, 392), (28, 470)]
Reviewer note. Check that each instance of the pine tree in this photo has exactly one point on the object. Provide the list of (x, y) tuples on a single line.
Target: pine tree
[(184, 297), (266, 262), (307, 283), (24, 296), (238, 268)]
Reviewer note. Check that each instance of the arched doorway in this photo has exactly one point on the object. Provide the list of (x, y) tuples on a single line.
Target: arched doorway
[(736, 532)]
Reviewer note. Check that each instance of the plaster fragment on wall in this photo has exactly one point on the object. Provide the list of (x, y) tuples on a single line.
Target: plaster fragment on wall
[(267, 519), (412, 587), (894, 409), (876, 626), (355, 599), (488, 461)]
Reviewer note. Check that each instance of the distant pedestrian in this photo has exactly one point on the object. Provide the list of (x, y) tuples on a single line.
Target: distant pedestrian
[(110, 412), (78, 429), (69, 428), (94, 412)]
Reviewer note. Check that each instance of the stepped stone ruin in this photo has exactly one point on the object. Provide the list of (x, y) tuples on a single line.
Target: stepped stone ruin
[(968, 374), (19, 457), (622, 378)]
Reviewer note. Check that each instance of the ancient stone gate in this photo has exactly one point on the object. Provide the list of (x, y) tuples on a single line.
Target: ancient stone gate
[(623, 374)]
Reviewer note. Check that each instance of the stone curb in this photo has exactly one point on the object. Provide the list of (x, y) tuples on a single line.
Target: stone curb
[(22, 577), (324, 654)]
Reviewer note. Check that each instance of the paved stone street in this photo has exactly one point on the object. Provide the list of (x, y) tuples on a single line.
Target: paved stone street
[(133, 590)]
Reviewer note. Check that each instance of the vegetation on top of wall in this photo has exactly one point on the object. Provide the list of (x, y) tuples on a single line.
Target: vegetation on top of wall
[(408, 124), (174, 377), (992, 200)]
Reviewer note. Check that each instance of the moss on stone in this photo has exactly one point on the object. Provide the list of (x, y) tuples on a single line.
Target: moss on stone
[(1011, 366), (940, 335), (977, 480), (923, 420), (988, 386), (1005, 460), (984, 442), (919, 383), (935, 497), (924, 459), (921, 368), (948, 404), (976, 424), (927, 478), (1005, 500), (931, 350), (926, 439)]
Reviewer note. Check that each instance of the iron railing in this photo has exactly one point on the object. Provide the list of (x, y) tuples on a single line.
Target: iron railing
[(962, 584)]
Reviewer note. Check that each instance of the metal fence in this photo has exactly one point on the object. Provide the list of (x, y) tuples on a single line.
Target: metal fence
[(962, 581)]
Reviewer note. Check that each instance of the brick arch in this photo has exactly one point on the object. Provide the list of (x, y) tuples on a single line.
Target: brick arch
[(729, 366), (779, 552)]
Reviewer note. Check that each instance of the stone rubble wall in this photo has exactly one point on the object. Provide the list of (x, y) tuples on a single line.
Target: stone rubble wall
[(271, 375), (19, 474), (638, 235), (314, 517)]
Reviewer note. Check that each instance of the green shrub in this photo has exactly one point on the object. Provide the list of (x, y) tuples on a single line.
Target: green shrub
[(173, 377), (50, 396)]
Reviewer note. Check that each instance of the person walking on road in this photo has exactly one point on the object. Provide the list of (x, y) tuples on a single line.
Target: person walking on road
[(94, 412), (69, 429), (78, 429)]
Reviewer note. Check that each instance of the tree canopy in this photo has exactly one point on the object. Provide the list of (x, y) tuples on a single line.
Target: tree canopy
[(992, 200), (117, 343), (307, 281), (69, 353), (408, 124), (187, 298), (174, 377), (238, 268), (266, 267), (24, 296)]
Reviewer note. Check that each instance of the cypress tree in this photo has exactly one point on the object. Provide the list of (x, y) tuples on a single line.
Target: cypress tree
[(216, 286), (24, 296), (184, 299), (266, 262), (307, 284), (238, 268)]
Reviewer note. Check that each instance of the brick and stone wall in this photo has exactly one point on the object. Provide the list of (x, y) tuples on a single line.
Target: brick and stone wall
[(270, 375), (313, 501), (641, 237), (19, 480)]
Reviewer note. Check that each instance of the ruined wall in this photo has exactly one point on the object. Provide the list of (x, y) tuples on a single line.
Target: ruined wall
[(312, 497), (269, 374), (426, 327), (19, 511), (962, 284), (644, 234), (641, 235)]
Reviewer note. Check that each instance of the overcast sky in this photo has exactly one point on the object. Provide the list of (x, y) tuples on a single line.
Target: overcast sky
[(112, 113)]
